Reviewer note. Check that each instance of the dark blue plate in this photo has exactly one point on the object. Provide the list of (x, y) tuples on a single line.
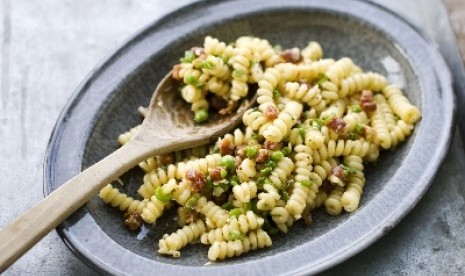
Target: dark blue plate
[(106, 102)]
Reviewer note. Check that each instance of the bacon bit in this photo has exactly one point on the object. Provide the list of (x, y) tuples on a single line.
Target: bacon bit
[(226, 147), (165, 159), (215, 174), (291, 55), (327, 186), (366, 100), (132, 221), (307, 217), (262, 156), (336, 124), (175, 72), (196, 178), (338, 172), (230, 107), (198, 51), (271, 112), (272, 145)]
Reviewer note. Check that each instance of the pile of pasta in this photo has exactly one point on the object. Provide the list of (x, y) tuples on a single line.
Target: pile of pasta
[(305, 144)]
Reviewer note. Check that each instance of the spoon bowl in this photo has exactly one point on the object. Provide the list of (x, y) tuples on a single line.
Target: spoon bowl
[(168, 126)]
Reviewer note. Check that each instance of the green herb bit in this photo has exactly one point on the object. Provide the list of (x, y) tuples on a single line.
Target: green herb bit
[(287, 150), (261, 181), (358, 128), (355, 108), (207, 64), (351, 136), (192, 201), (323, 78), (237, 74), (266, 171), (348, 171), (235, 235), (276, 94), (200, 85), (189, 56), (223, 173), (270, 164), (228, 162), (234, 180), (285, 195), (277, 156), (251, 152), (328, 118), (162, 196), (307, 183), (247, 206), (201, 116), (301, 132), (236, 212), (318, 123), (190, 79), (228, 205), (224, 58)]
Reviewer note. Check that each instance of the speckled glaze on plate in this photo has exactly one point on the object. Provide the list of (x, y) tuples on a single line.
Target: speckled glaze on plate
[(106, 102)]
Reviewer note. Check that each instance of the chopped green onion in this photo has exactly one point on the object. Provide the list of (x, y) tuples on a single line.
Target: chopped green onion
[(236, 212), (261, 180), (351, 136), (266, 171), (323, 79), (287, 150), (160, 195), (307, 183), (190, 79), (237, 74), (234, 180), (200, 85), (251, 152), (228, 162), (189, 56), (276, 94), (277, 155), (247, 206), (270, 163), (301, 132), (227, 206), (358, 128), (192, 201), (224, 58), (201, 116), (224, 173), (285, 195), (207, 64), (355, 108), (348, 171), (235, 235)]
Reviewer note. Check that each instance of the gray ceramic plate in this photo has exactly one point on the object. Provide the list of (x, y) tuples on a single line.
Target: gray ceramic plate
[(105, 105)]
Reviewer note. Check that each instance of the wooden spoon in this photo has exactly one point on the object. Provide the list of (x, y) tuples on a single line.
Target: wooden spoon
[(168, 126)]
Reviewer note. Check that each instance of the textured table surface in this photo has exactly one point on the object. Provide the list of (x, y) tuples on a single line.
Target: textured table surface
[(46, 50)]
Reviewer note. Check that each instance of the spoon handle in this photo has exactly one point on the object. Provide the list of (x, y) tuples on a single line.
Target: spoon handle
[(24, 232)]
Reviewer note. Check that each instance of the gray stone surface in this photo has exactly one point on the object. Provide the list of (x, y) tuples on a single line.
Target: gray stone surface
[(47, 48)]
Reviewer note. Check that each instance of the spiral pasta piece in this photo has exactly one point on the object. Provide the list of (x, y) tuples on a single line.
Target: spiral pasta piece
[(382, 136), (246, 170), (267, 200), (362, 81), (401, 105), (281, 172), (122, 201), (312, 52), (283, 124), (213, 46), (214, 213), (171, 244), (245, 191), (333, 202), (125, 137), (350, 199), (255, 240)]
